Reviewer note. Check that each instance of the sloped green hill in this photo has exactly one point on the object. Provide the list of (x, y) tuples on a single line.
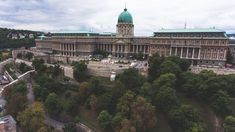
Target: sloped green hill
[(7, 39)]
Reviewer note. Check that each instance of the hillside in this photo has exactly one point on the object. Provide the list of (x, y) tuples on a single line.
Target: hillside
[(231, 35), (11, 38)]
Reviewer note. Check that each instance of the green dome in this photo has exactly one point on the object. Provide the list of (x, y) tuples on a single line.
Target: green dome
[(125, 17)]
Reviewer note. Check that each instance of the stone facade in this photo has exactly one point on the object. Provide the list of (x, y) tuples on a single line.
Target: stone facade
[(202, 46), (232, 48)]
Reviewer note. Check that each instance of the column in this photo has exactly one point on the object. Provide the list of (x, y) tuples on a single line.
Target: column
[(199, 53), (187, 53), (60, 49), (193, 53), (113, 48), (170, 51), (165, 51), (175, 51), (181, 52)]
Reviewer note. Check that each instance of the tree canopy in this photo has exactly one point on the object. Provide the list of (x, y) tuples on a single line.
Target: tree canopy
[(32, 118), (80, 70)]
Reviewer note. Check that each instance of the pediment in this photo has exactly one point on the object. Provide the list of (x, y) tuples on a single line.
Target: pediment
[(119, 42)]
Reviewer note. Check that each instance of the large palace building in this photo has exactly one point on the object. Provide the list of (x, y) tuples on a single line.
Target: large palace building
[(201, 46)]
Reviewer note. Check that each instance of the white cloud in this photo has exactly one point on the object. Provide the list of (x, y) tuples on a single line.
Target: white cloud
[(97, 15)]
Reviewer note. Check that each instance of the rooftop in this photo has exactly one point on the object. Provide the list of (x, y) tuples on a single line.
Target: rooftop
[(190, 30), (75, 31), (82, 33)]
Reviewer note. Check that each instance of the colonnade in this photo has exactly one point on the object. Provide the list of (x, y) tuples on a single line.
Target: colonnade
[(186, 52), (68, 49), (139, 48)]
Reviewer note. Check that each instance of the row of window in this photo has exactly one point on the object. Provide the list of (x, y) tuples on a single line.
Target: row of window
[(191, 41), (189, 35)]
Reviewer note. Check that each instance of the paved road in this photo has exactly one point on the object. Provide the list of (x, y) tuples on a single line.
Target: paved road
[(30, 95), (53, 123)]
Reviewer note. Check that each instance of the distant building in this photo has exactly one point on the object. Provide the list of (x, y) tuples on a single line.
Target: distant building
[(14, 36), (31, 35), (7, 124), (204, 47), (21, 36)]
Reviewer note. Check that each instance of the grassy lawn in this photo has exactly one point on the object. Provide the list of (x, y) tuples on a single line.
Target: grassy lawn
[(206, 113)]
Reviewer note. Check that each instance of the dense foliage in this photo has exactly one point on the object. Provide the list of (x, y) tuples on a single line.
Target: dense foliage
[(6, 42), (32, 118), (16, 98), (80, 70), (133, 102)]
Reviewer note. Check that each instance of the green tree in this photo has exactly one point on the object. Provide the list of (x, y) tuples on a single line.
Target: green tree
[(229, 124), (182, 63), (167, 79), (124, 104), (96, 86), (116, 121), (56, 71), (206, 74), (154, 66), (186, 118), (93, 102), (166, 99), (29, 55), (221, 103), (39, 65), (20, 87), (80, 70), (52, 104), (143, 115), (16, 98), (229, 57), (37, 91), (145, 90), (70, 127), (16, 104), (126, 126), (24, 68), (169, 67), (118, 89), (72, 106), (84, 90), (189, 83), (32, 118), (104, 119), (131, 79), (105, 102)]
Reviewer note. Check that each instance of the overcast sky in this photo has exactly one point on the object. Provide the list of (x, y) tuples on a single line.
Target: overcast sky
[(102, 15)]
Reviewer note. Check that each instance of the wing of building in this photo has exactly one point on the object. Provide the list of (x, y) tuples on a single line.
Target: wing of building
[(201, 46)]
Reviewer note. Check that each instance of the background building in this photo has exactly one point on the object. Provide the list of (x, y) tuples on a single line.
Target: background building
[(7, 124), (202, 46)]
